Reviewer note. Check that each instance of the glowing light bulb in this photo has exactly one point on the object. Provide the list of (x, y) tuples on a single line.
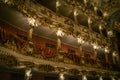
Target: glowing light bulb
[(61, 76), (106, 50), (100, 78), (80, 40), (75, 13), (60, 33), (100, 27), (84, 77), (58, 4), (32, 21)]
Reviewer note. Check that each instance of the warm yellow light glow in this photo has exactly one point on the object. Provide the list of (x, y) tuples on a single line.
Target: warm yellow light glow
[(95, 8), (105, 14), (75, 13), (32, 22), (80, 40), (114, 54), (28, 73), (5, 1), (60, 33), (95, 46), (58, 4), (89, 20), (61, 76), (100, 78), (100, 27), (106, 49), (85, 1), (84, 77), (110, 33)]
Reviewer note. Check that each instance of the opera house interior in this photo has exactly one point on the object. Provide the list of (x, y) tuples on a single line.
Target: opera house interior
[(59, 39)]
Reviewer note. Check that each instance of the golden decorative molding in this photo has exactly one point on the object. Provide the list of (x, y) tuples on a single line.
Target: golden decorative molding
[(22, 59)]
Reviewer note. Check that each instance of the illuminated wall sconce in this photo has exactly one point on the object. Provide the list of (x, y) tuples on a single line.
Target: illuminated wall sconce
[(28, 74), (60, 33), (85, 2), (110, 33), (95, 9), (100, 27), (95, 46), (89, 20), (106, 50), (80, 40), (84, 77), (105, 14), (32, 22), (112, 78), (5, 1), (57, 4), (114, 54), (61, 76), (89, 23), (75, 12), (100, 78)]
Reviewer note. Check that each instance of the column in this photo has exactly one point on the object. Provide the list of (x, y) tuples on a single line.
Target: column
[(30, 33), (95, 47), (57, 6), (80, 42), (106, 53), (58, 43), (75, 15), (114, 56), (32, 23), (112, 37), (90, 29), (116, 49), (100, 29)]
